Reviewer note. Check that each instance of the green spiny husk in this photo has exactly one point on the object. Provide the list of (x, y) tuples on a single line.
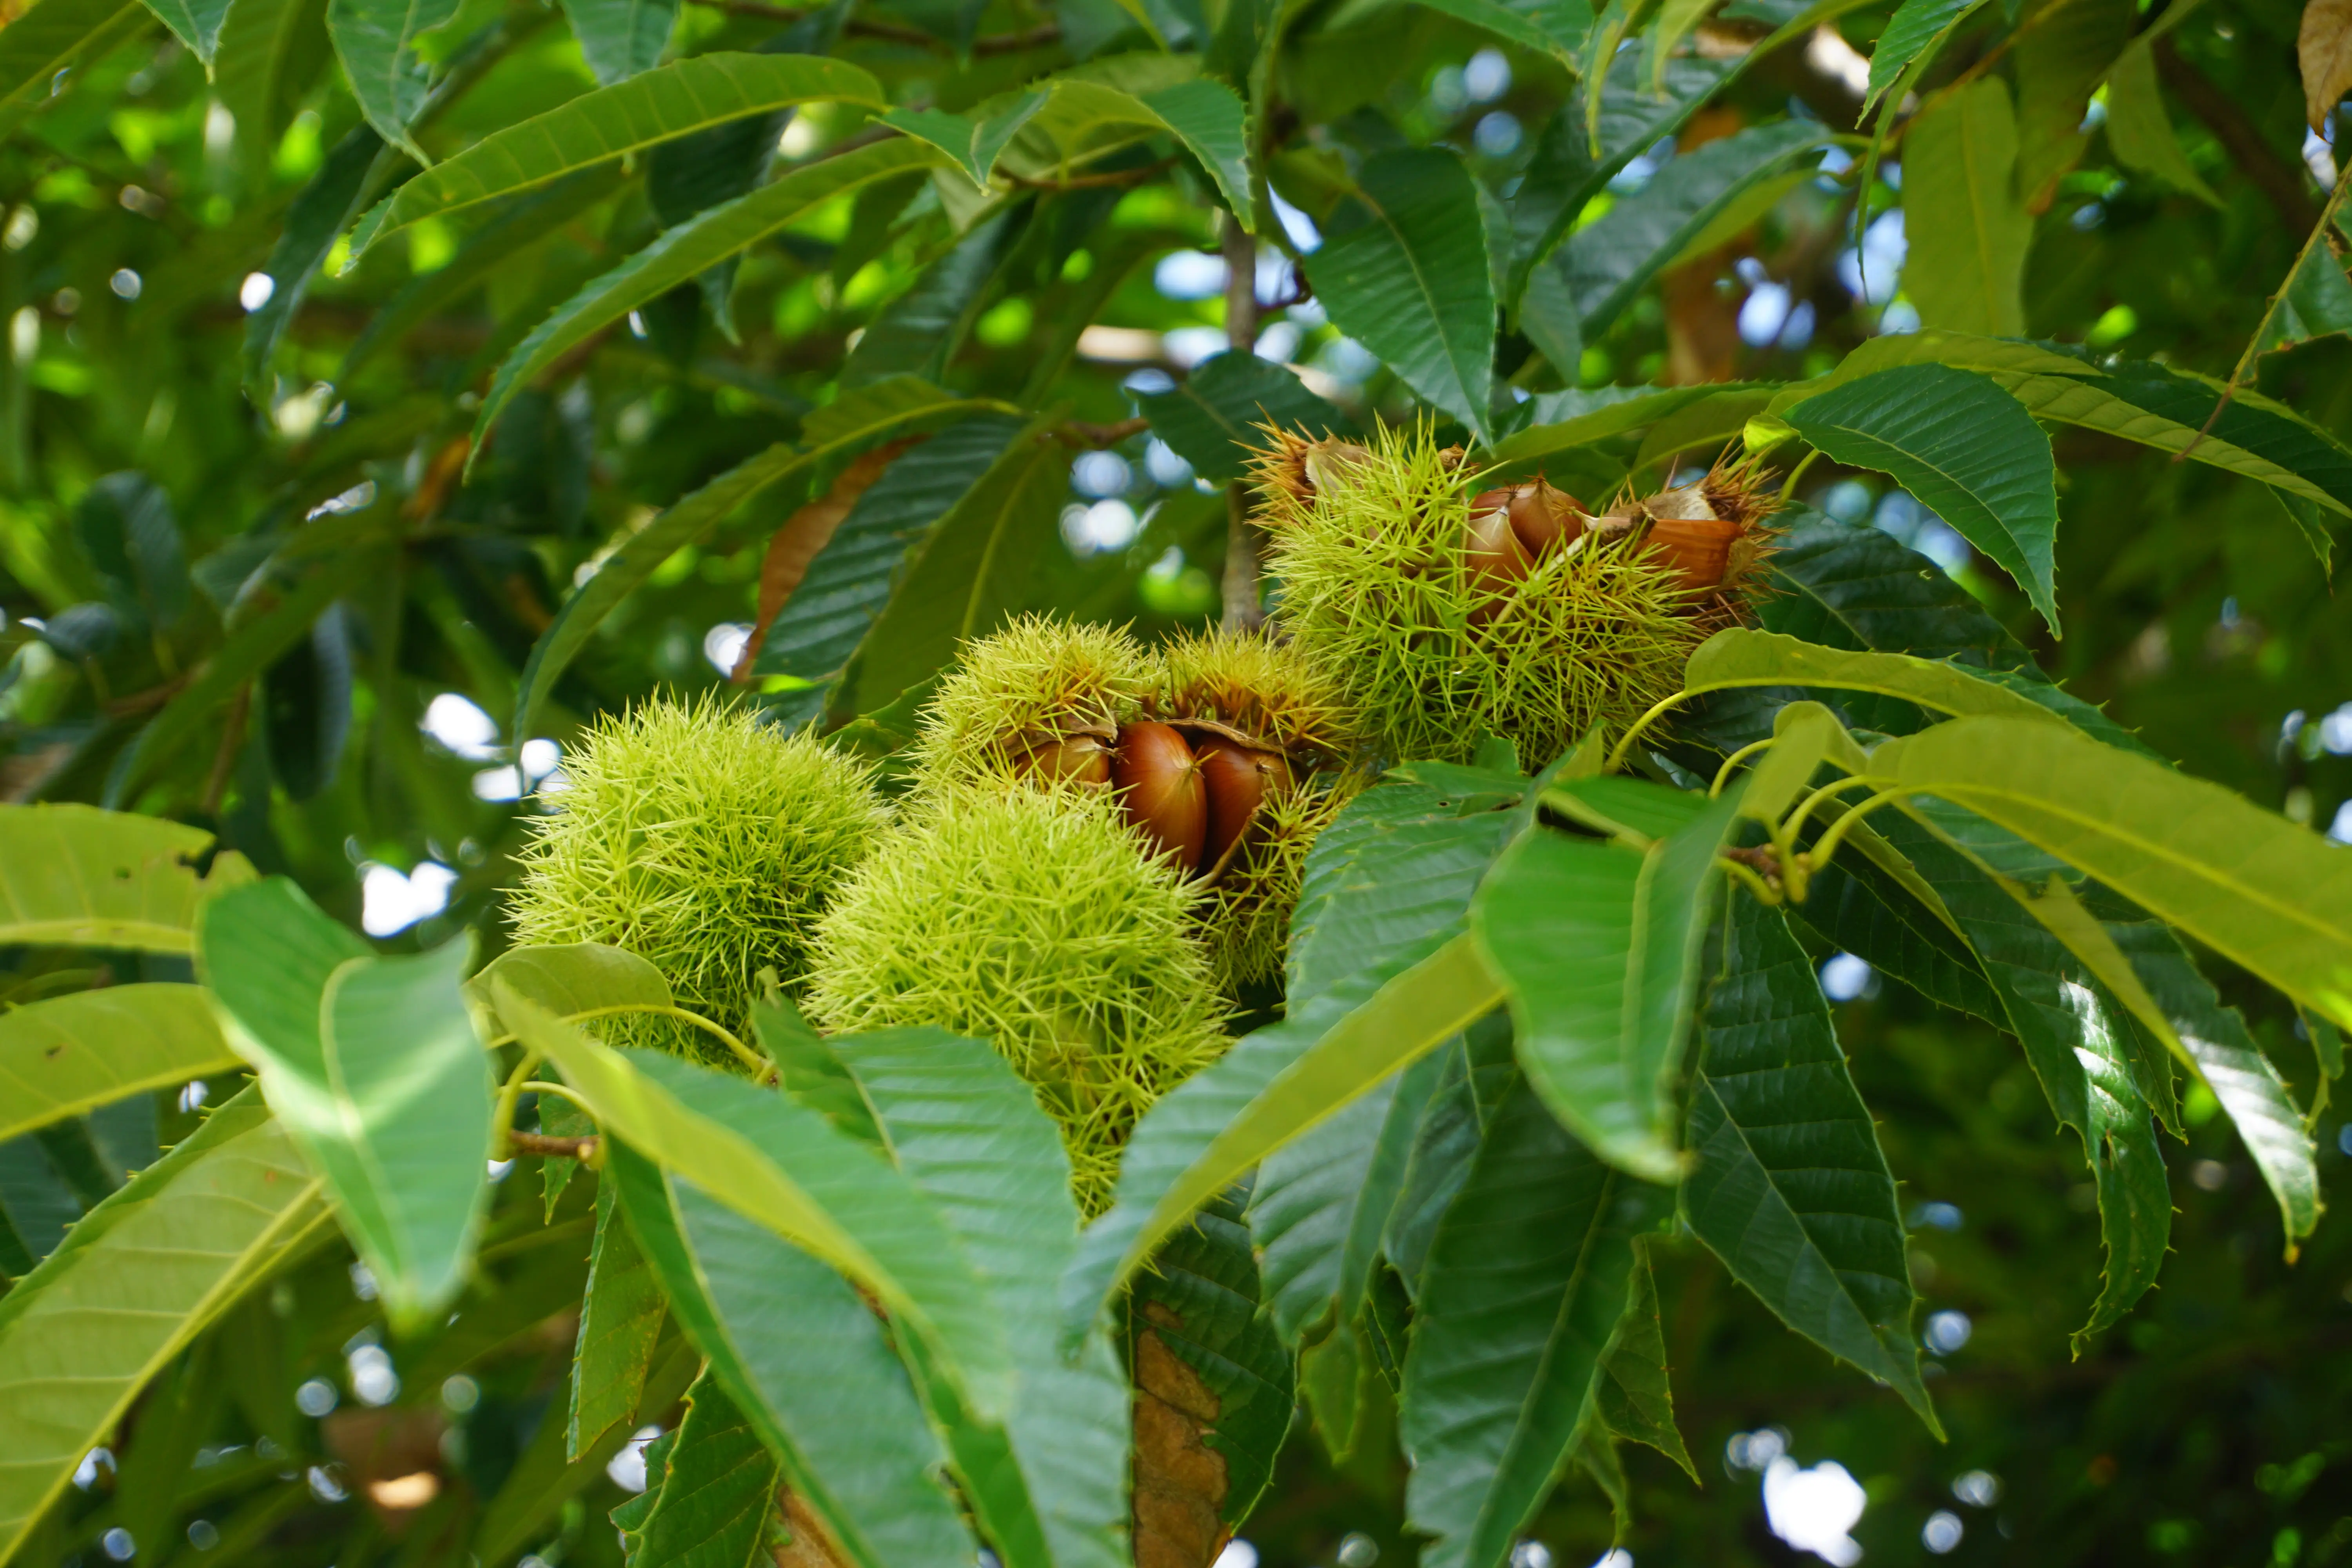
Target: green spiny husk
[(706, 843), (1031, 917), (1246, 915), (1260, 687), (1376, 595), (1039, 680)]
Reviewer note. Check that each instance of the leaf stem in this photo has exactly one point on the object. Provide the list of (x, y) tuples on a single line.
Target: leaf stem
[(1788, 485), (509, 1092), (1722, 773), (1827, 844), (1657, 711)]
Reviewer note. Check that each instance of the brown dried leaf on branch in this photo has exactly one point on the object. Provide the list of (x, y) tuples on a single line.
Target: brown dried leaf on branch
[(2323, 48), (806, 531), (1179, 1480)]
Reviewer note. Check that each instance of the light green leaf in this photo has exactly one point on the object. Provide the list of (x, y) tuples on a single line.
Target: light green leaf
[(376, 40), (1790, 1187), (1737, 657), (77, 876), (1526, 1281), (1566, 420), (1206, 116), (1607, 263), (849, 425), (1917, 27), (975, 140), (972, 1136), (374, 1066), (270, 52), (1271, 1087), (1967, 229), (143, 1275), (2139, 131), (1599, 945), (1412, 282), (1968, 451), (2250, 884), (2317, 302), (620, 1324), (688, 248), (572, 978), (71, 1054), (195, 22), (972, 572), (802, 1356), (1211, 418), (621, 39), (653, 107), (1677, 19), (786, 1167), (717, 1489)]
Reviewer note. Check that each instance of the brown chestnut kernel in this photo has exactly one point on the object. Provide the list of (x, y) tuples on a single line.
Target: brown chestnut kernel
[(1700, 549), (1491, 554), (1544, 518), (1159, 786), (1239, 779), (1080, 759)]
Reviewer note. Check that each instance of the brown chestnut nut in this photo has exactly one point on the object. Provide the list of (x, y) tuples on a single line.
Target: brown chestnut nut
[(1160, 787), (1491, 553), (1080, 759), (1545, 518), (1239, 778)]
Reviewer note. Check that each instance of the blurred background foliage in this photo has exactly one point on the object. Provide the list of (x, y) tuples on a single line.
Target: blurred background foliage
[(247, 583)]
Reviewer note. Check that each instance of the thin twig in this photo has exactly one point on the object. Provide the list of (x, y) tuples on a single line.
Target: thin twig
[(1080, 433), (583, 1148), (2269, 312), (1245, 608), (225, 759)]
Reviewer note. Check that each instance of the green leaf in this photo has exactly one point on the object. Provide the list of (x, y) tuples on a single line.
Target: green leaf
[(620, 1324), (921, 331), (787, 1168), (1967, 228), (1211, 418), (1411, 282), (1737, 657), (1634, 1395), (195, 22), (799, 1355), (849, 425), (848, 584), (2225, 1056), (1917, 27), (653, 107), (133, 1284), (524, 221), (80, 876), (1607, 263), (1599, 943), (1444, 1139), (2139, 131), (1855, 586), (1968, 451), (270, 52), (1526, 1281), (1273, 1085), (1542, 25), (2077, 1039), (1320, 1203), (572, 978), (1092, 108), (51, 35), (69, 1055), (621, 39), (2317, 302), (2058, 63), (1566, 420), (973, 571), (1201, 1299), (717, 1489), (703, 241), (319, 214), (971, 1135), (2203, 858), (1790, 1187), (1206, 116), (376, 40), (374, 1066)]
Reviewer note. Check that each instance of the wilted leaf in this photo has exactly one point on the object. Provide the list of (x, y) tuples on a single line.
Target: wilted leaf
[(2322, 49)]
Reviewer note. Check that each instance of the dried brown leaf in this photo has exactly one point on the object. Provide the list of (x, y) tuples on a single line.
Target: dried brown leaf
[(2323, 48), (1179, 1480)]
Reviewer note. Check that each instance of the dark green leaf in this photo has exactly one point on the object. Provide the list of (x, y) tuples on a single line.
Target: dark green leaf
[(321, 213), (1409, 282), (919, 332), (126, 528), (1916, 26), (1526, 1281), (1212, 419), (195, 22), (620, 37), (49, 37), (306, 706), (717, 1489), (620, 1324), (376, 40), (1791, 1189), (1969, 451), (1635, 1397), (1855, 586)]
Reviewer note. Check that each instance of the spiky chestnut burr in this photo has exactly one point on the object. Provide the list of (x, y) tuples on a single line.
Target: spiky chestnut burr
[(704, 842), (1439, 625), (1042, 698), (1031, 917)]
